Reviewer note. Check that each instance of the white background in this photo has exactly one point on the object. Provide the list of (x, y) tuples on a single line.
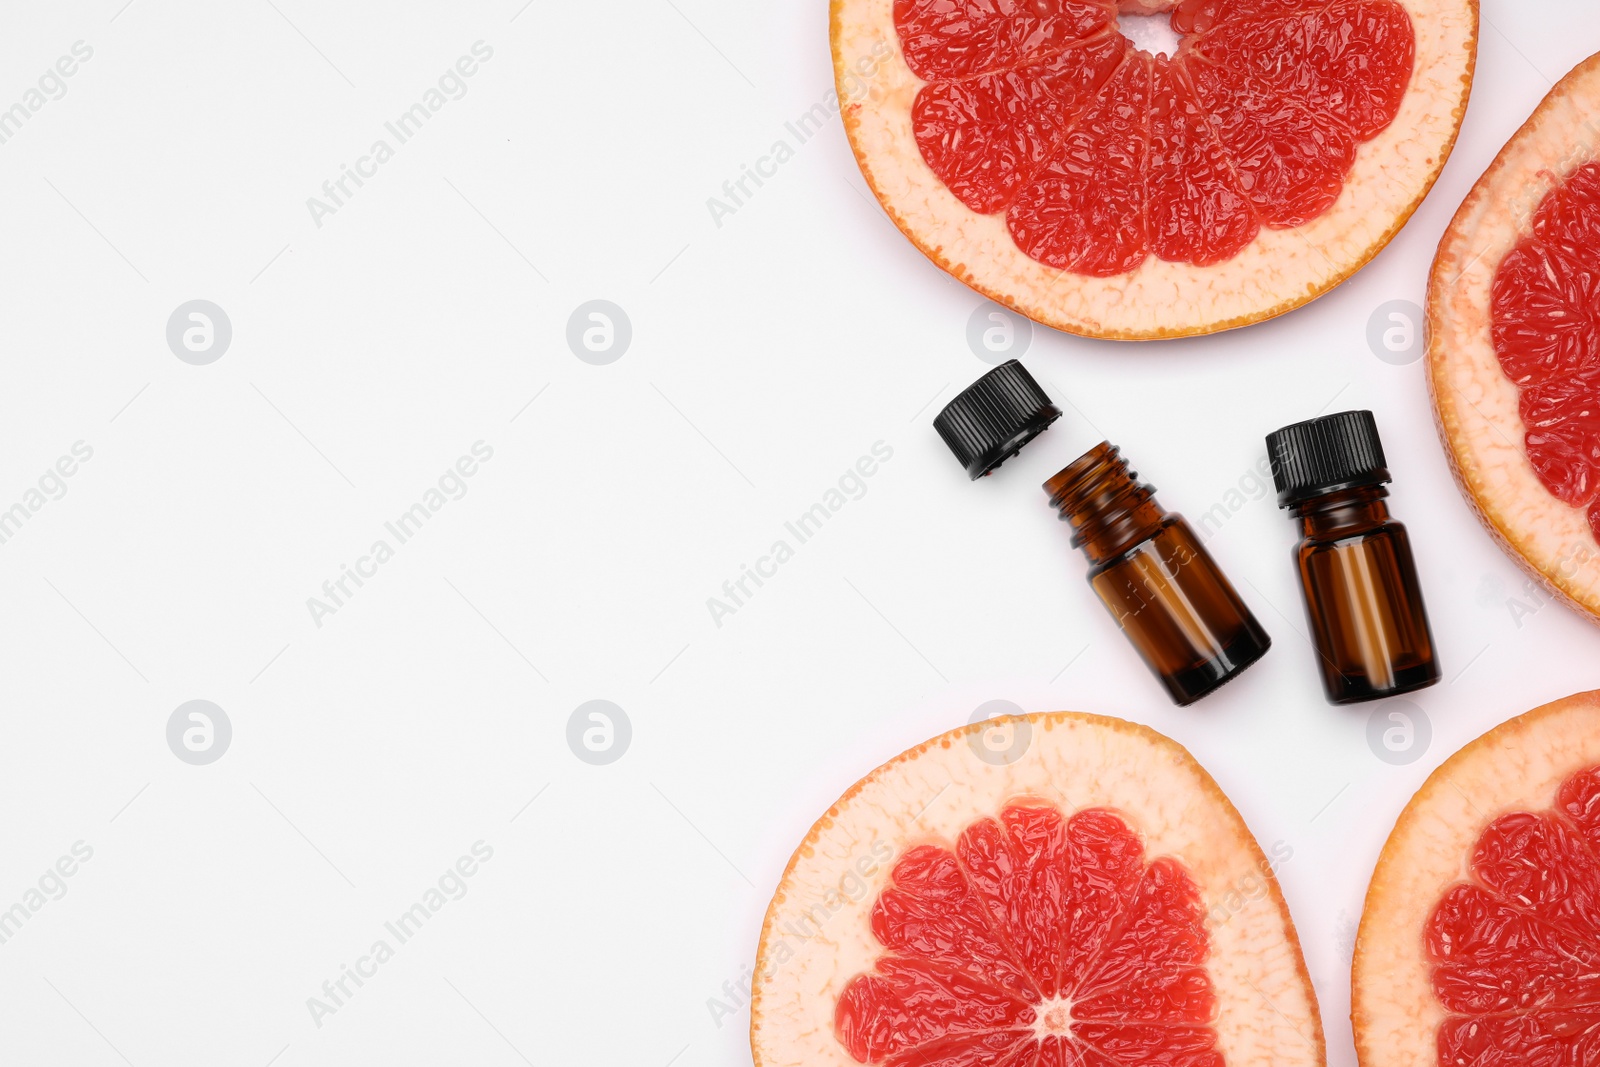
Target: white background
[(768, 354)]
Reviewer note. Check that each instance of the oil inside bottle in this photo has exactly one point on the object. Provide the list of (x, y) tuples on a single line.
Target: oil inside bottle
[(1357, 572), (1363, 598), (1156, 579)]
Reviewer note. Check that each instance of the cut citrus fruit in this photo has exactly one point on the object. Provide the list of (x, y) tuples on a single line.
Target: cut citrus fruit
[(1081, 895), (1514, 342), (1480, 943), (1031, 150)]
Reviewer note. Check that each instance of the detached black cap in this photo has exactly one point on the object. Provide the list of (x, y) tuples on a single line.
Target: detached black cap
[(994, 417), (1325, 455)]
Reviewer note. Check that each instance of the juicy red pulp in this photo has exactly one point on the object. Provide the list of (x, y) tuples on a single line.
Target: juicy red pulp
[(1100, 154), (1546, 328), (1516, 950), (1037, 941)]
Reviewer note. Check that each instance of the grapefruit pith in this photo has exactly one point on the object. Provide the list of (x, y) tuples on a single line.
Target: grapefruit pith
[(1080, 895), (1480, 942), (1514, 342), (1031, 150)]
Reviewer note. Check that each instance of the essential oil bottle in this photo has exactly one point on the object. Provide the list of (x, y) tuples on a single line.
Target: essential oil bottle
[(1357, 572), (1155, 577)]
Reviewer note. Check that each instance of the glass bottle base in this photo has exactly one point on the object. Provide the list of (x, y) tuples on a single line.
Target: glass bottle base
[(1348, 689), (1194, 683)]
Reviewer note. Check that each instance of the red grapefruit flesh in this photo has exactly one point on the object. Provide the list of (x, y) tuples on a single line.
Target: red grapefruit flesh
[(1546, 328), (1033, 151), (1035, 930), (1514, 350), (1480, 944), (1094, 902)]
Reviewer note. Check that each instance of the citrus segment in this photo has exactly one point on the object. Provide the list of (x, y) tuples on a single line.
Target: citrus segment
[(1569, 218), (1580, 801), (1521, 939), (1547, 334), (1291, 161), (1350, 61), (1112, 949), (1196, 210), (1543, 319), (1144, 136), (1514, 349), (986, 137), (1085, 905), (1168, 167), (1084, 210), (961, 38), (932, 912), (1480, 943)]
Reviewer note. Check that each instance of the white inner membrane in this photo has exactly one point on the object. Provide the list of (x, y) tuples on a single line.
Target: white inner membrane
[(1153, 33), (1052, 1018)]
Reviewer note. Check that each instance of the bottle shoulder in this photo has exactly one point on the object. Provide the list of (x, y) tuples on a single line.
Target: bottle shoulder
[(1171, 538), (1356, 533)]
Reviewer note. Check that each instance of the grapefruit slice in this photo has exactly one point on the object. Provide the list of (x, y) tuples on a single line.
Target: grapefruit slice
[(1031, 150), (1514, 342), (1082, 895), (1480, 943)]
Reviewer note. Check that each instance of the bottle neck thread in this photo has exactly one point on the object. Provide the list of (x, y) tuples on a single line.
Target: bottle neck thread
[(1106, 505)]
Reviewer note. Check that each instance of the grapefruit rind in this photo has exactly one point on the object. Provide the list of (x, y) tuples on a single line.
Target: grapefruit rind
[(1475, 404), (1266, 1007), (1518, 766), (1278, 272)]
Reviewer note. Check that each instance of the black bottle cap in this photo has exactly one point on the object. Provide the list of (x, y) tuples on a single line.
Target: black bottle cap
[(1325, 455), (994, 417)]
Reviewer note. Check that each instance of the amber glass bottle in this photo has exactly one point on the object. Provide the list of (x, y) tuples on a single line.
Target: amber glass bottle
[(1155, 577), (1362, 596)]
